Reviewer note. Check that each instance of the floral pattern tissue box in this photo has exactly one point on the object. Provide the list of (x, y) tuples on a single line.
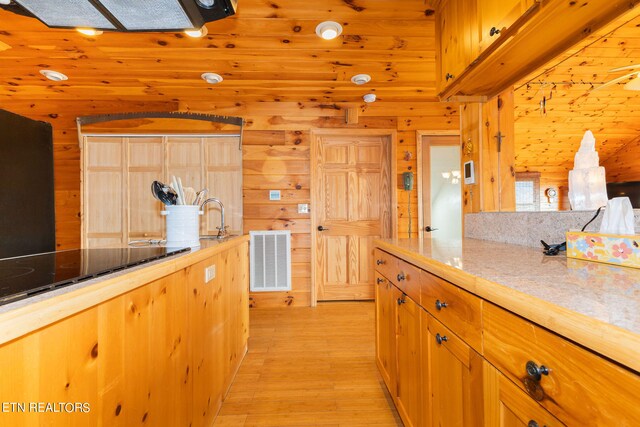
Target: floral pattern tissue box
[(607, 248)]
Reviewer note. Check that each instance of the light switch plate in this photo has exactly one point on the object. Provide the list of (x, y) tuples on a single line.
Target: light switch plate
[(303, 208), (209, 273), (274, 194)]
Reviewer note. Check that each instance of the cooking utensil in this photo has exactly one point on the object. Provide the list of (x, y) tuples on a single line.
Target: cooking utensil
[(189, 195), (163, 193), (200, 195)]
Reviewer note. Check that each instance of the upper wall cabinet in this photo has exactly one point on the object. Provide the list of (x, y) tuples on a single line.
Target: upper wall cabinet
[(486, 46), (496, 16)]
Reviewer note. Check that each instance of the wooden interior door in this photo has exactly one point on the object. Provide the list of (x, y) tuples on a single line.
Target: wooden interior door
[(351, 207)]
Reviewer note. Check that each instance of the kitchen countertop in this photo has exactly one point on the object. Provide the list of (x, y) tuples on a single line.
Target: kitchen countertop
[(596, 305), (24, 316)]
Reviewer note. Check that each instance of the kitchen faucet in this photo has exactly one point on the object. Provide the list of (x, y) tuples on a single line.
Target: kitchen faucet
[(222, 230)]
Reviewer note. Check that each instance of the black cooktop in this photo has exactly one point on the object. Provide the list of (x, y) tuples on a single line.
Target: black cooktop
[(23, 277)]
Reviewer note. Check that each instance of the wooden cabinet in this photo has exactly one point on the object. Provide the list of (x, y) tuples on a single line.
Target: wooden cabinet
[(161, 354), (530, 33), (495, 16), (408, 398), (455, 377), (455, 34), (508, 406), (386, 331), (575, 385)]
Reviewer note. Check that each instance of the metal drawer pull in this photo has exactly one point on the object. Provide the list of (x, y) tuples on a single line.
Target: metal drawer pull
[(401, 301), (400, 277), (536, 372), (494, 31), (379, 262), (380, 280), (440, 305), (441, 338), (532, 423)]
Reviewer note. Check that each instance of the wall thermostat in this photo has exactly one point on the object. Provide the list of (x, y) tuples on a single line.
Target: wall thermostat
[(469, 173)]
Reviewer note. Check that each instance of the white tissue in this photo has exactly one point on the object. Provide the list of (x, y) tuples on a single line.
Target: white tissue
[(587, 183), (618, 217)]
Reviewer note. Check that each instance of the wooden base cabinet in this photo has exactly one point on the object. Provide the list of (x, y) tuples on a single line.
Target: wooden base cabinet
[(408, 398), (386, 331), (455, 377)]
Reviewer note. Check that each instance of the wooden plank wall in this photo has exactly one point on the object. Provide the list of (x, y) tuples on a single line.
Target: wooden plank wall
[(624, 165), (275, 157)]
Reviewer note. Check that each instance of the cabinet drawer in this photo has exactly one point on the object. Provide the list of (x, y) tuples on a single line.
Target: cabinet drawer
[(574, 384), (386, 264), (407, 278), (456, 308)]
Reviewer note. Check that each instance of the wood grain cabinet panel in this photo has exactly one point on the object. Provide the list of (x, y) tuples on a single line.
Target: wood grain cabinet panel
[(508, 406), (408, 399), (407, 279), (495, 16), (575, 385), (386, 331), (459, 310), (386, 264), (455, 376)]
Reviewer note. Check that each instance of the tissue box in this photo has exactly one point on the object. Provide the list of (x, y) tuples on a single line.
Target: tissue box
[(607, 248)]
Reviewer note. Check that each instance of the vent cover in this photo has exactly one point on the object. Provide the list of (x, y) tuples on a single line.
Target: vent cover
[(270, 261)]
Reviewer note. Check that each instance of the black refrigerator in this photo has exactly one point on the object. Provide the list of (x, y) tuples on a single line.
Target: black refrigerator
[(27, 211)]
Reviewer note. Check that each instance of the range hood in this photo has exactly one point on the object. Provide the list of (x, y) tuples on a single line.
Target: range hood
[(125, 15)]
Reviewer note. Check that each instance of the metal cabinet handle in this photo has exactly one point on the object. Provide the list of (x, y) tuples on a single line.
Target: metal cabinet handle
[(428, 229), (321, 228), (532, 423), (448, 76), (400, 277), (401, 301), (379, 262), (441, 338), (536, 372), (440, 305), (380, 280), (494, 31)]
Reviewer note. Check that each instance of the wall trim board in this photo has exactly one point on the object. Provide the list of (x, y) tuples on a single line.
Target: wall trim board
[(392, 134)]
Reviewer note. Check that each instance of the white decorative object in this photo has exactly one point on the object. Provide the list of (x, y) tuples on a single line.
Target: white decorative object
[(618, 217), (587, 182)]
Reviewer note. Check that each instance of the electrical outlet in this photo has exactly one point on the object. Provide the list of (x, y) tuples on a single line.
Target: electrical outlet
[(274, 194), (209, 273), (303, 208)]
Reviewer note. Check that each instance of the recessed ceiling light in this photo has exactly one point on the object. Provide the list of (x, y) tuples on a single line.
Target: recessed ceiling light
[(89, 31), (208, 4), (54, 75), (328, 30), (361, 79), (370, 97), (197, 33), (212, 78)]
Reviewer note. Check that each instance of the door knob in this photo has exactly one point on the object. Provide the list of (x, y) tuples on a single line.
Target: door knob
[(428, 229), (441, 338), (440, 305), (321, 228), (536, 372)]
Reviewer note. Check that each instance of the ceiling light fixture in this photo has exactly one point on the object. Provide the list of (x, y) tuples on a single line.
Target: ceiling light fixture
[(91, 32), (328, 30), (212, 78), (361, 79), (197, 33), (369, 98), (54, 75)]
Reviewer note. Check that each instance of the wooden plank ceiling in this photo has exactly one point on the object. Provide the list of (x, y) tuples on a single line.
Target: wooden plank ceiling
[(267, 51), (547, 142)]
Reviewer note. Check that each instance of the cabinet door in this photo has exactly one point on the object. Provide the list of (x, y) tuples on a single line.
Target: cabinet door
[(455, 372), (408, 397), (508, 406), (456, 25), (494, 16), (385, 331)]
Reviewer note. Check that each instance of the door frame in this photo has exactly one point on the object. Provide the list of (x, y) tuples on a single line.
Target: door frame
[(424, 180), (393, 136)]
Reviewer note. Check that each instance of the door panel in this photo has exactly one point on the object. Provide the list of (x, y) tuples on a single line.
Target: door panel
[(352, 202)]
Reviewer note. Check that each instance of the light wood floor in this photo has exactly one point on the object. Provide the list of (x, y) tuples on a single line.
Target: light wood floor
[(310, 366)]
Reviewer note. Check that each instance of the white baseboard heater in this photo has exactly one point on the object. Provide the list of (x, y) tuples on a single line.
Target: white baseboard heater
[(270, 261)]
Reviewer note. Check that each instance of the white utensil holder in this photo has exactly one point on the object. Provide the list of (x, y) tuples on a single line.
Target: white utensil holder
[(183, 225)]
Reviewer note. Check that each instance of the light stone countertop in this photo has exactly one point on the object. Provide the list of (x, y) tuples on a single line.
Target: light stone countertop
[(594, 304)]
